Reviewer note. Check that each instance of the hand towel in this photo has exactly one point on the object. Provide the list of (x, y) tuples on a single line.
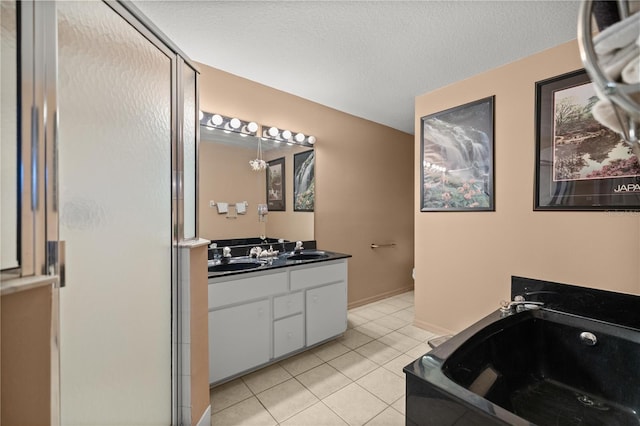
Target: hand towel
[(617, 45), (222, 207), (631, 73), (241, 208)]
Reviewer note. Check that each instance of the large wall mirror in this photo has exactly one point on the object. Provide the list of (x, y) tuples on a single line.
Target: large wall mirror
[(227, 179)]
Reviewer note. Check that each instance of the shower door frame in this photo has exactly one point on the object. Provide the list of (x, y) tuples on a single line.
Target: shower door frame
[(41, 252)]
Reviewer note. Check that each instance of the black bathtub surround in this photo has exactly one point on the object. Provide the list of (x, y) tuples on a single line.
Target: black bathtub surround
[(617, 308), (559, 365)]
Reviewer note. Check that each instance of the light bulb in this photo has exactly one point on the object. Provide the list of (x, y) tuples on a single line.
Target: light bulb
[(273, 132), (252, 127), (235, 123), (311, 140), (286, 135), (216, 120), (300, 137)]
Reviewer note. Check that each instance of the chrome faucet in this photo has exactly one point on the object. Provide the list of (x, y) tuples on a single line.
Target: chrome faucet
[(518, 304), (214, 247), (298, 246), (226, 252), (255, 252)]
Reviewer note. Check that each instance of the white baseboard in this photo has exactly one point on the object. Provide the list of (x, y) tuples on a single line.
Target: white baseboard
[(205, 420)]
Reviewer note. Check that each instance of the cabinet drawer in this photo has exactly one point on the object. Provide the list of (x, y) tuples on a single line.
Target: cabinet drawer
[(317, 275), (245, 289), (288, 335), (287, 305)]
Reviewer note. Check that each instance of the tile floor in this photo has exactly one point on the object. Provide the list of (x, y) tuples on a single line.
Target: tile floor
[(354, 380)]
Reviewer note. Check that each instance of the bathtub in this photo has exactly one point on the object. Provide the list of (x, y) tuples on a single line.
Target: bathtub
[(540, 367)]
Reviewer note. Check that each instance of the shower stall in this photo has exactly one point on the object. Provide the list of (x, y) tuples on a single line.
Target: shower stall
[(105, 171)]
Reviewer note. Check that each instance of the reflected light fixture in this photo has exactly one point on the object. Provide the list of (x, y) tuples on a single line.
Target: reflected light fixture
[(258, 164)]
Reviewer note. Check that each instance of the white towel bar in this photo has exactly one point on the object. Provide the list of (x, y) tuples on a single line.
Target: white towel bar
[(375, 246)]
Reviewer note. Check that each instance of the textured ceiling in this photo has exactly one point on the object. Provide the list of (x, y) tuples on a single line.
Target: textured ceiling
[(366, 58)]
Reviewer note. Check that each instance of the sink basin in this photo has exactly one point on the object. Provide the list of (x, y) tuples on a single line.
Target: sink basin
[(234, 266), (308, 255)]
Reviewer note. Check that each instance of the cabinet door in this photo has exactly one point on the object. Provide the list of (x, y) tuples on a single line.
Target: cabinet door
[(239, 339), (288, 335), (326, 312)]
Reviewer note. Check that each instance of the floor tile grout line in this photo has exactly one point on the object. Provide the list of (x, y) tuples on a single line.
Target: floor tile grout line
[(366, 390), (295, 414), (404, 298)]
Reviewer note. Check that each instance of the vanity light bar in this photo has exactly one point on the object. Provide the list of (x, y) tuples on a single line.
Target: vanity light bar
[(251, 128), (283, 135), (229, 124)]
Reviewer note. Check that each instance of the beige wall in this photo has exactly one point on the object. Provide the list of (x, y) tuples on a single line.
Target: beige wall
[(225, 176), (25, 370), (199, 329), (364, 179), (289, 224), (464, 261)]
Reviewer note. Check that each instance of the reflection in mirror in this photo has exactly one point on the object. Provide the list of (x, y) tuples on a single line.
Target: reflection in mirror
[(225, 176), (8, 137), (189, 144)]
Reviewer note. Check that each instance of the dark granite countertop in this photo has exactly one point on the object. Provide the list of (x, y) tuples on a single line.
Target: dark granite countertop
[(281, 261)]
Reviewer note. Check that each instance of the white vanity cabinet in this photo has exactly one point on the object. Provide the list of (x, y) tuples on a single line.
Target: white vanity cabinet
[(241, 338), (326, 315), (325, 299), (258, 317), (240, 320), (288, 324)]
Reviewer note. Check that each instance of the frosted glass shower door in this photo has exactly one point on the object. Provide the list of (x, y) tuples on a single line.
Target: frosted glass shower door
[(114, 95)]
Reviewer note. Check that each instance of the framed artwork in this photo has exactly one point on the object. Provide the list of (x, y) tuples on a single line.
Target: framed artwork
[(276, 185), (457, 158), (580, 164), (304, 181)]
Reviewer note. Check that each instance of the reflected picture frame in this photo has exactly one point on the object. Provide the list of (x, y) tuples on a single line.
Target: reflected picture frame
[(276, 185), (457, 158), (304, 181), (580, 164)]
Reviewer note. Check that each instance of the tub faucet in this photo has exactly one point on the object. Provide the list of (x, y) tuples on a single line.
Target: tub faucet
[(518, 304)]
